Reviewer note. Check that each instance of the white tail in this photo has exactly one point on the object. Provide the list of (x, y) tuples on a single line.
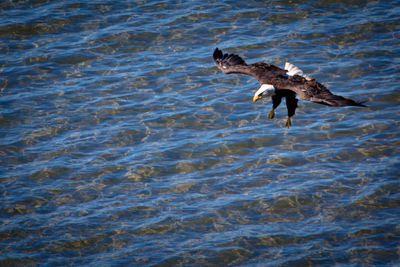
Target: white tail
[(293, 70)]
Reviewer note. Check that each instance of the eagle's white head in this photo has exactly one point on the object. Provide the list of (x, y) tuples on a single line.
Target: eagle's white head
[(264, 91)]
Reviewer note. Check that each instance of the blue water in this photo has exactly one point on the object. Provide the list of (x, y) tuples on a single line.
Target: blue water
[(121, 143)]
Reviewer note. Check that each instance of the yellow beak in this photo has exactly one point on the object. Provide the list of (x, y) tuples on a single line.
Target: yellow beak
[(256, 97)]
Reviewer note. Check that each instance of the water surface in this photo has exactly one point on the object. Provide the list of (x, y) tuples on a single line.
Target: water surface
[(121, 143)]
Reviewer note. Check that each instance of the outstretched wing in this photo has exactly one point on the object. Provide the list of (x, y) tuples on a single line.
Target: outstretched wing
[(323, 96), (314, 91), (231, 63)]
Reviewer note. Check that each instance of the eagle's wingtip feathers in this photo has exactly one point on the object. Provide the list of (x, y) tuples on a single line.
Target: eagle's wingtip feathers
[(217, 54), (226, 61), (361, 103)]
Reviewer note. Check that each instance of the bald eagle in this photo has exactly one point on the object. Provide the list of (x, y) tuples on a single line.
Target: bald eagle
[(278, 83)]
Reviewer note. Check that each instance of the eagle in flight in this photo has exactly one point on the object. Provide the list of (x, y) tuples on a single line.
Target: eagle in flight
[(278, 83)]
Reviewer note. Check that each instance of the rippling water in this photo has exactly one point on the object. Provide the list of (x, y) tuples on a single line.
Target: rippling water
[(121, 143)]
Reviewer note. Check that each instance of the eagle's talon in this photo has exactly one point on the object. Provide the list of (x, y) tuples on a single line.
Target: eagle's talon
[(271, 114), (288, 122)]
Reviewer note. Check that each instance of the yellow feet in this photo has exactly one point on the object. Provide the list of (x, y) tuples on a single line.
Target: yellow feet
[(288, 122), (271, 114)]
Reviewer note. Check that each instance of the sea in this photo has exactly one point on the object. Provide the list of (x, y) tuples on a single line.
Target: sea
[(122, 144)]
